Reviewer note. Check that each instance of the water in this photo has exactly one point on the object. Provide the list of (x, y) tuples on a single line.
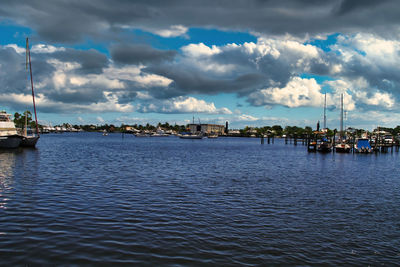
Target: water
[(88, 199)]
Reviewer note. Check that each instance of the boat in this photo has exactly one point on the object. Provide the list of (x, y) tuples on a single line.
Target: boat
[(142, 134), (342, 146), (159, 133), (9, 137), (199, 135), (362, 145), (325, 145), (212, 136), (30, 140)]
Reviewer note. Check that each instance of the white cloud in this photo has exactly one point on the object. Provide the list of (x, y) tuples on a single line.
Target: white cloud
[(100, 119), (200, 50), (44, 48), (173, 31), (43, 103), (382, 99), (245, 117), (183, 105), (297, 93), (19, 50)]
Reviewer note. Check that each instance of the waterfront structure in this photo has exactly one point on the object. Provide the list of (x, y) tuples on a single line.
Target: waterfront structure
[(207, 128)]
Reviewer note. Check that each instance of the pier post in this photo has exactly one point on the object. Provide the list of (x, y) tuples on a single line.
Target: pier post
[(334, 140), (286, 140), (269, 139), (273, 139), (262, 139), (295, 139)]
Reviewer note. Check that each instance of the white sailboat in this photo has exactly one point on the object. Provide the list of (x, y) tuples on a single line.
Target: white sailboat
[(325, 144), (342, 146)]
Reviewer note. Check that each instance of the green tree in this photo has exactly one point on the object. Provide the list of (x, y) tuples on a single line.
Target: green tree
[(19, 120)]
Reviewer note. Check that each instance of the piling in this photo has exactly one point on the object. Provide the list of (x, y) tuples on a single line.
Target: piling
[(262, 139), (334, 140)]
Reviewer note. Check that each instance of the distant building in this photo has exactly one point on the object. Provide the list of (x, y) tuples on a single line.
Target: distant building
[(207, 128), (130, 129)]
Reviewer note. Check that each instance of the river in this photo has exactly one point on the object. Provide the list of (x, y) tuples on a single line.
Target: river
[(88, 199)]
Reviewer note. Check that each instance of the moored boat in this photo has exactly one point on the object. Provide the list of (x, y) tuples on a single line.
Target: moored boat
[(28, 140), (9, 137), (159, 133), (31, 140), (192, 136), (342, 148), (362, 145), (325, 145)]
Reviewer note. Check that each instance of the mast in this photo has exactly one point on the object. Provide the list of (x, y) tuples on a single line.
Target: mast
[(341, 116), (325, 113), (28, 55), (26, 123)]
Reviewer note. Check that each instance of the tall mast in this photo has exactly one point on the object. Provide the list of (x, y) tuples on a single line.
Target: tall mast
[(28, 54), (341, 116), (325, 113)]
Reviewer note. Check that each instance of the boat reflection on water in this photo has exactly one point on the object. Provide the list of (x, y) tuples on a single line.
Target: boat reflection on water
[(7, 165)]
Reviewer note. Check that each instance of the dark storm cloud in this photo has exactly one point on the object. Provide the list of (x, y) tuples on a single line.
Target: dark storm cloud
[(82, 95), (69, 21), (348, 6), (139, 54), (91, 61), (15, 78), (186, 81)]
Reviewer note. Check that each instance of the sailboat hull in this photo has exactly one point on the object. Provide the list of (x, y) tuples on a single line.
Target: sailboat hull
[(29, 141)]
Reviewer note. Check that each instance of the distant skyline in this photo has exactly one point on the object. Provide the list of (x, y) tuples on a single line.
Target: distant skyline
[(249, 62)]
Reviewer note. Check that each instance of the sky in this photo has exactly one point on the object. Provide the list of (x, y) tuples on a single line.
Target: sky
[(248, 62)]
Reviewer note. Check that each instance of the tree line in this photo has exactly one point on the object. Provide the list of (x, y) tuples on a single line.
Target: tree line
[(275, 130)]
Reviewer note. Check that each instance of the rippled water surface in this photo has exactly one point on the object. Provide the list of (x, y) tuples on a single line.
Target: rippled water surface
[(88, 199)]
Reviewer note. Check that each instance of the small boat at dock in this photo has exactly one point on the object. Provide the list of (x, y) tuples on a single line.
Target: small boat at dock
[(31, 139), (362, 145), (343, 148), (324, 146)]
